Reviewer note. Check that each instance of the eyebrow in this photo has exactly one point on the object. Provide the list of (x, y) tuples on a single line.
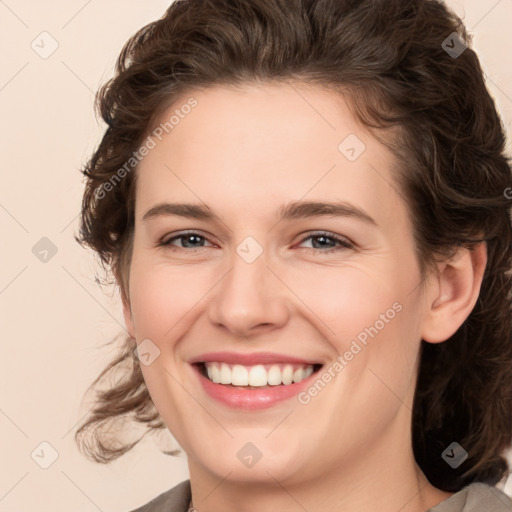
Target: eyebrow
[(293, 210)]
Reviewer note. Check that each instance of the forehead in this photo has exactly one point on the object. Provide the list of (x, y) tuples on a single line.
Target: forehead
[(257, 147)]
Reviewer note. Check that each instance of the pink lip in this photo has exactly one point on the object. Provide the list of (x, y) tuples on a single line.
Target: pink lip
[(249, 359), (250, 399)]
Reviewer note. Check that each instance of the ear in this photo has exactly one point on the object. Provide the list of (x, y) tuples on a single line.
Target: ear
[(128, 317), (452, 293)]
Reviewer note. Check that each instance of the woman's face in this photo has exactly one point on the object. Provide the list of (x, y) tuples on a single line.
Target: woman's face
[(264, 290)]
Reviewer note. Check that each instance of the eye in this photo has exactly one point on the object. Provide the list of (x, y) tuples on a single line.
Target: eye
[(343, 243), (191, 238), (189, 241)]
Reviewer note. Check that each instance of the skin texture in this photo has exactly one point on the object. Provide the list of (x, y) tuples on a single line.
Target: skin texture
[(246, 153)]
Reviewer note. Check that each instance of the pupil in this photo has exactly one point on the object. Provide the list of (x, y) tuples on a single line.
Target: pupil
[(323, 238), (190, 238)]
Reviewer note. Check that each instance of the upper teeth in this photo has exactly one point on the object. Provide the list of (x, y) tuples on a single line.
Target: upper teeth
[(259, 375)]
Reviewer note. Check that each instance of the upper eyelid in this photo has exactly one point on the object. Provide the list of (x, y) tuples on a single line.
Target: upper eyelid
[(304, 236), (166, 239)]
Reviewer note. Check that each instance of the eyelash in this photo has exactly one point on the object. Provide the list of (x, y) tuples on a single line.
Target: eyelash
[(343, 242)]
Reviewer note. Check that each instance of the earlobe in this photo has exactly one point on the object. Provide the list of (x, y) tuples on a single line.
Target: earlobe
[(453, 292)]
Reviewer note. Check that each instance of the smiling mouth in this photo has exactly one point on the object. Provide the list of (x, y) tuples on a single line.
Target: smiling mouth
[(259, 376)]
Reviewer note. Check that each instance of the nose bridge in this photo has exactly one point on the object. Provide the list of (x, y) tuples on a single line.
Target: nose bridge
[(249, 295)]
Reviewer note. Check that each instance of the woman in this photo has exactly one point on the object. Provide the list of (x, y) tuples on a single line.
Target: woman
[(304, 204)]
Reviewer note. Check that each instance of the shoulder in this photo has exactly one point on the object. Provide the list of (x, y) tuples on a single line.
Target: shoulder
[(476, 497), (173, 500)]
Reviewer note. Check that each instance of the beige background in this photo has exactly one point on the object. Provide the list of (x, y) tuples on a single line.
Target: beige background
[(54, 316)]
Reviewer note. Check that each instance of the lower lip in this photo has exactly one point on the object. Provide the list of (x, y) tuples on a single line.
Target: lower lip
[(252, 399)]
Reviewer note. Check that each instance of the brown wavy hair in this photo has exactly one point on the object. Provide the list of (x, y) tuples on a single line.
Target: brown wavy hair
[(431, 107)]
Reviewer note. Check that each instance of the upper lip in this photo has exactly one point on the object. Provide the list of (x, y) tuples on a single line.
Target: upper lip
[(249, 359)]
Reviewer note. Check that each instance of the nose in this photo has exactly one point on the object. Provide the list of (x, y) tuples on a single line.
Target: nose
[(249, 299)]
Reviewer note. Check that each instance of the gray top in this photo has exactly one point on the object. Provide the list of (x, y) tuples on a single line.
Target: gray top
[(477, 497)]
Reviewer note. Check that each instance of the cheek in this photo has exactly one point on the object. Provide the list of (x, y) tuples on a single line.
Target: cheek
[(349, 298), (344, 302), (367, 313), (162, 296)]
